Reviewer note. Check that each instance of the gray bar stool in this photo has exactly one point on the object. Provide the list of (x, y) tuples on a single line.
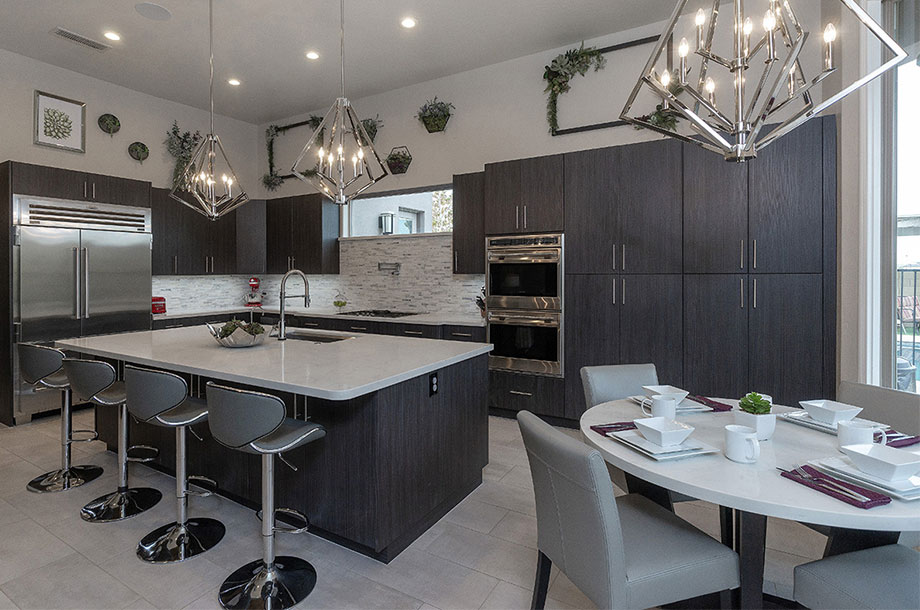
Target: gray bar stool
[(257, 423), (161, 399), (96, 381), (42, 367)]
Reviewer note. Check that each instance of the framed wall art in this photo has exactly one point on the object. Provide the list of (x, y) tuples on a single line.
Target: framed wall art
[(59, 122)]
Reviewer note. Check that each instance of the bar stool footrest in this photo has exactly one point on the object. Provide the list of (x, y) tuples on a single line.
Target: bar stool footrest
[(142, 459), (288, 529), (91, 436), (209, 486)]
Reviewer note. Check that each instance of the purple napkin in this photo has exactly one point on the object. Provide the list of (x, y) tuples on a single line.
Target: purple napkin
[(604, 429), (901, 442), (875, 498), (718, 407)]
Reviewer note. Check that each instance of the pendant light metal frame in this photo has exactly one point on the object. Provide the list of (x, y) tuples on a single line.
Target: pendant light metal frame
[(340, 121), (208, 203), (739, 138)]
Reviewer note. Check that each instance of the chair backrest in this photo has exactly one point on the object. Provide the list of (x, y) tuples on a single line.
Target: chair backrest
[(578, 526), (149, 392), (37, 361), (239, 417), (900, 410), (616, 381), (88, 377)]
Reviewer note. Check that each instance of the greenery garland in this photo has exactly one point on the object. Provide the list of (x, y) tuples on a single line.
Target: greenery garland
[(181, 145), (272, 180), (664, 118), (561, 70)]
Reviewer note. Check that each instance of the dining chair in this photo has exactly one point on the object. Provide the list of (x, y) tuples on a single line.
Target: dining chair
[(881, 577), (625, 552), (900, 410)]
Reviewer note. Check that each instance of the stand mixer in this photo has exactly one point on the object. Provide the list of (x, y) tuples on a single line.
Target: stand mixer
[(254, 296)]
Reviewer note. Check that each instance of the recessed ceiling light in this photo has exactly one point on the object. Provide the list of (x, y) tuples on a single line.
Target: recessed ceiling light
[(152, 11), (112, 36), (312, 55), (408, 22), (234, 81)]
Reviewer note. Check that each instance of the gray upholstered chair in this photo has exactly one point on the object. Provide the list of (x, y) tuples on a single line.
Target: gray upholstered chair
[(161, 399), (254, 422), (41, 367), (96, 381), (883, 577), (625, 552), (900, 410)]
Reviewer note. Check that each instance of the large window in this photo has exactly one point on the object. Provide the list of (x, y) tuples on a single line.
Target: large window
[(424, 212)]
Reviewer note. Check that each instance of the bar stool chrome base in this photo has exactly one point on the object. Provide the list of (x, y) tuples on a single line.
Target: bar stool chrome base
[(176, 542), (287, 582), (120, 505), (62, 480)]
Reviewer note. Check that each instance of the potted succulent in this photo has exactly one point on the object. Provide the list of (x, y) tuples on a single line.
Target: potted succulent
[(398, 160), (755, 412), (435, 114)]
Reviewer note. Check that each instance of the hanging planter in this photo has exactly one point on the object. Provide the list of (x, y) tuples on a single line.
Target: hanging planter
[(109, 123), (435, 114), (398, 160), (138, 151), (371, 126)]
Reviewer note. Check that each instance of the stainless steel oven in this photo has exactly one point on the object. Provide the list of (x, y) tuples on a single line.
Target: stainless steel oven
[(524, 272), (526, 341)]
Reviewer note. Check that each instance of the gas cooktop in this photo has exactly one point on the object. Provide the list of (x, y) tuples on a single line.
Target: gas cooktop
[(379, 313)]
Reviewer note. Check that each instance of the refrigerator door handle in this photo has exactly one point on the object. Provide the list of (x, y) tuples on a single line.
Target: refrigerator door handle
[(76, 283), (85, 283)]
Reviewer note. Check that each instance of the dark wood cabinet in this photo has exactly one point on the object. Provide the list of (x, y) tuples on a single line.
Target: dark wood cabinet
[(194, 238), (186, 242), (278, 235), (787, 202), (651, 323), (591, 219), (715, 213), (251, 238), (525, 196), (42, 181), (121, 191), (422, 331), (164, 222), (521, 392), (302, 233), (464, 333), (715, 340), (786, 346), (469, 223)]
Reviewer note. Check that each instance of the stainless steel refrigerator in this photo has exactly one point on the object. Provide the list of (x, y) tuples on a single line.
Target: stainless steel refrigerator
[(78, 269)]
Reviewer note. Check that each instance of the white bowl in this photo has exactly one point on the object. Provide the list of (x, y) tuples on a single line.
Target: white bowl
[(665, 390), (664, 432), (884, 462), (830, 411)]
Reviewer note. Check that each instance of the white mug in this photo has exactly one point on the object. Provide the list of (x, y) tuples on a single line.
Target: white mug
[(857, 433), (741, 444), (662, 406)]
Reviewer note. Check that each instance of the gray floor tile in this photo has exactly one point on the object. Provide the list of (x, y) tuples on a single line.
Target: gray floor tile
[(140, 604), (700, 514), (506, 496), (10, 514), (795, 538), (6, 603), (506, 596), (495, 471), (26, 546), (15, 476), (565, 591), (476, 515), (72, 582), (208, 601), (493, 556), (505, 454), (779, 568), (518, 476), (344, 589), (51, 508), (8, 457), (518, 528)]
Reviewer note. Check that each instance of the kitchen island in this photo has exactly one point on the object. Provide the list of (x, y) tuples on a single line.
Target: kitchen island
[(406, 424)]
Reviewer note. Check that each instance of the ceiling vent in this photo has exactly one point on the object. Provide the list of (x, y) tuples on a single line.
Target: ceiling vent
[(81, 40)]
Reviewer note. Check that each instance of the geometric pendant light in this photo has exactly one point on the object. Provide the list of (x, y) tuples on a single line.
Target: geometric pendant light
[(751, 84), (339, 160), (208, 184)]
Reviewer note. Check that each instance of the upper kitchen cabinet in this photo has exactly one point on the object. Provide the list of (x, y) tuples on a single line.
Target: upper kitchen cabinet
[(525, 196), (715, 213), (302, 233), (787, 203), (164, 221), (250, 238), (187, 243), (469, 223), (42, 181), (590, 217)]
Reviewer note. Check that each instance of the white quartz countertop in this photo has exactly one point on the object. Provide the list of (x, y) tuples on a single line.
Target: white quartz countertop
[(334, 371), (433, 318)]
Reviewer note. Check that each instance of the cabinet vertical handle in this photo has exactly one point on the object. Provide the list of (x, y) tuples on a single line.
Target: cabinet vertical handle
[(205, 264), (293, 262), (517, 217), (176, 265), (614, 257), (456, 261), (76, 282), (614, 281), (755, 254), (755, 293), (624, 258), (742, 254), (623, 293), (741, 281), (525, 215), (94, 191), (84, 189)]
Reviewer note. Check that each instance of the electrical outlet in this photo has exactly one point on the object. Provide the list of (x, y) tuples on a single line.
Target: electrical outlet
[(433, 383)]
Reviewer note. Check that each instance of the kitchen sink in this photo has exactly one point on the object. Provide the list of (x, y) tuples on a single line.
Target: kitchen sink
[(315, 337)]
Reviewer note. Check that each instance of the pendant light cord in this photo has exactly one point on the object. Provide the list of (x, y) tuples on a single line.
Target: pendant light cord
[(342, 41), (211, 52)]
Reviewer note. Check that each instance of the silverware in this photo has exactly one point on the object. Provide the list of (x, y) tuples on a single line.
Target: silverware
[(826, 484)]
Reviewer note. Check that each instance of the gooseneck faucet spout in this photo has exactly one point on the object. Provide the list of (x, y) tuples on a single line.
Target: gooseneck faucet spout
[(282, 326)]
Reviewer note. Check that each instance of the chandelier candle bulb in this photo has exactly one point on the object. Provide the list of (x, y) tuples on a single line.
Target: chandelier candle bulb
[(683, 50), (700, 22), (769, 26), (711, 91), (830, 35)]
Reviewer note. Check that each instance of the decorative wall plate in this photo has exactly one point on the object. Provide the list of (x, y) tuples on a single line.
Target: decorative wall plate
[(138, 151), (109, 123)]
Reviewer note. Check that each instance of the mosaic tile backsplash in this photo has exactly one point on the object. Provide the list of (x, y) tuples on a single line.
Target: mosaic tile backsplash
[(424, 284)]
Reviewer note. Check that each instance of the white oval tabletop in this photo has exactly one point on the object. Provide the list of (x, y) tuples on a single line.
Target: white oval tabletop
[(755, 488)]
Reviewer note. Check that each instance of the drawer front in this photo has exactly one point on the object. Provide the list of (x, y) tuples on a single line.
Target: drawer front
[(307, 322), (464, 333), (425, 331), (358, 326), (534, 393)]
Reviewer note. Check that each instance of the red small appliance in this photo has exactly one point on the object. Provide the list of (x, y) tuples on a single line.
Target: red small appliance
[(158, 304), (254, 297)]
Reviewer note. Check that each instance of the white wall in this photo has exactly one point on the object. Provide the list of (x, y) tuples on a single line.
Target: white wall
[(143, 118)]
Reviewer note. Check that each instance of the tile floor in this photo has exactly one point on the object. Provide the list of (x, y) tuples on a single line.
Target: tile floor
[(481, 555)]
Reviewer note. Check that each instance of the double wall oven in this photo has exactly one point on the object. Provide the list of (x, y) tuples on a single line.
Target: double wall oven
[(524, 281)]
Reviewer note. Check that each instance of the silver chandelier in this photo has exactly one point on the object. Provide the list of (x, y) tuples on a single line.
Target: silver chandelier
[(339, 160), (208, 179), (771, 60)]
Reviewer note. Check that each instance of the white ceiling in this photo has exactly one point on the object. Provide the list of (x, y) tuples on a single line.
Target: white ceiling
[(263, 43)]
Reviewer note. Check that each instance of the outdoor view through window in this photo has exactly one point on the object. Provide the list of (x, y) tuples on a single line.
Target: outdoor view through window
[(426, 212)]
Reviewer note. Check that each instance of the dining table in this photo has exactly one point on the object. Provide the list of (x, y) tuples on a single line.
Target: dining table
[(753, 492)]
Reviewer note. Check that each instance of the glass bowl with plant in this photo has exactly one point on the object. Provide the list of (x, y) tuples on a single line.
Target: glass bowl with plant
[(339, 301), (237, 333), (755, 410), (434, 114)]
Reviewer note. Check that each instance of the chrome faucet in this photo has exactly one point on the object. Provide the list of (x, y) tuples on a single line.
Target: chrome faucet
[(282, 327)]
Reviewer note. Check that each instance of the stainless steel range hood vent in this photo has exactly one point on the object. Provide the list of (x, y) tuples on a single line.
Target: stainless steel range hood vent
[(53, 213)]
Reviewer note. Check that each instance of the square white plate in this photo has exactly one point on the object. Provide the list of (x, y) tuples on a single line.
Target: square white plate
[(845, 465), (849, 473), (689, 448), (685, 406), (802, 418)]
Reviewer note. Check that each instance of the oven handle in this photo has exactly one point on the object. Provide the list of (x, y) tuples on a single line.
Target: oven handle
[(548, 257), (523, 320)]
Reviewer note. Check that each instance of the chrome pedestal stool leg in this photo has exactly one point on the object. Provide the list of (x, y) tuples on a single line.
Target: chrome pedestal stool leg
[(271, 582), (186, 537), (68, 476), (127, 501)]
